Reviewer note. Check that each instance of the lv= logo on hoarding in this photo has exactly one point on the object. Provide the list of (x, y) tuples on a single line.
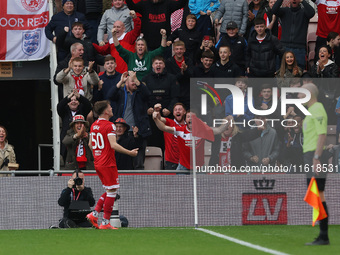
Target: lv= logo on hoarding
[(264, 208)]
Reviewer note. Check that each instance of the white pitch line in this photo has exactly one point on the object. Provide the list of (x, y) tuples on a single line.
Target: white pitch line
[(250, 245)]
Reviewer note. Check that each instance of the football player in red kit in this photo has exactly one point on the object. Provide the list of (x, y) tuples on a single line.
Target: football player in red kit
[(103, 144)]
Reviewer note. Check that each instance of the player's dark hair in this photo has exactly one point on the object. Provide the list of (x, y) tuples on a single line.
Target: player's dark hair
[(100, 106)]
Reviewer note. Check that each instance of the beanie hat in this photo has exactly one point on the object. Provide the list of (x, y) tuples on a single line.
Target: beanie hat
[(64, 1)]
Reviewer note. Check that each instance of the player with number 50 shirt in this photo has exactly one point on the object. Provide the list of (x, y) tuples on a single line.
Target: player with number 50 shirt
[(103, 144)]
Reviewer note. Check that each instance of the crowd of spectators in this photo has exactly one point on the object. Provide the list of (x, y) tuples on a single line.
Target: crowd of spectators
[(145, 64)]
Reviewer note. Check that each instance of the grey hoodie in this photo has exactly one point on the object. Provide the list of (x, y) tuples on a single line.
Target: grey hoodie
[(110, 17)]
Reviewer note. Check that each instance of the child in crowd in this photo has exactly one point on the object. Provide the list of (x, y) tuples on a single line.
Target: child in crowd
[(189, 35), (206, 45), (77, 76)]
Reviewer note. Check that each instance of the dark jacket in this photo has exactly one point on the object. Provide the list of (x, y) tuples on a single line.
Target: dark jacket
[(238, 47), (182, 79), (66, 115), (229, 70), (236, 154), (294, 23), (71, 145), (91, 8), (139, 103), (110, 81), (260, 14), (64, 42), (191, 37), (200, 72), (163, 88), (155, 16), (331, 70), (124, 161), (66, 197), (261, 57), (61, 20)]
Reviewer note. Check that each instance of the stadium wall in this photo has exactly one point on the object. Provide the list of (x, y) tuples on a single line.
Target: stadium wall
[(167, 200)]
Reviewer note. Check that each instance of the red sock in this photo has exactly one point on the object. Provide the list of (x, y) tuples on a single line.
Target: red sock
[(100, 203), (108, 205)]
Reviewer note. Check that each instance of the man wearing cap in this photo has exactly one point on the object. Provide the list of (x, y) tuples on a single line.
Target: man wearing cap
[(232, 10), (79, 155), (63, 19), (236, 43), (124, 161)]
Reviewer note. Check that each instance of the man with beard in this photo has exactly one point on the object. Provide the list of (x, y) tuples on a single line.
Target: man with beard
[(171, 155)]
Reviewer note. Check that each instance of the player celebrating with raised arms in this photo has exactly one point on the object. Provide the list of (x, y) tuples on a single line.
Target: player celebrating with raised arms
[(103, 144)]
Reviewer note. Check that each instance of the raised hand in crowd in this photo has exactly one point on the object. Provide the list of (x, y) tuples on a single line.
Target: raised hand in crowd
[(123, 79), (254, 159), (265, 161), (251, 15), (91, 63), (157, 107), (76, 93)]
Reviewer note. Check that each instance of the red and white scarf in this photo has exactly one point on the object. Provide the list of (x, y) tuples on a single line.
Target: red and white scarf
[(78, 82)]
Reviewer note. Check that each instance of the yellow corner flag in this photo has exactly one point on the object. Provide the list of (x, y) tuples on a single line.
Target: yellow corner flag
[(312, 197)]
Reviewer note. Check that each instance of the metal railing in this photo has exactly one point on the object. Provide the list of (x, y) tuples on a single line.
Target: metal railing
[(39, 153), (52, 172)]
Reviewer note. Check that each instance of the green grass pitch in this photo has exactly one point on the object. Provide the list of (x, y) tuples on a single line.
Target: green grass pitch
[(163, 241)]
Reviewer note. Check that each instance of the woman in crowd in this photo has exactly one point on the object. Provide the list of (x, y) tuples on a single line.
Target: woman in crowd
[(289, 69), (7, 154), (325, 67)]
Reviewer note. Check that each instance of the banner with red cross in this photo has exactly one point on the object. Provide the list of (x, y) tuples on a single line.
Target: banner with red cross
[(22, 35)]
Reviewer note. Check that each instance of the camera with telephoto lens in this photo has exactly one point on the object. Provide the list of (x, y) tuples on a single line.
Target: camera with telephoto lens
[(77, 181)]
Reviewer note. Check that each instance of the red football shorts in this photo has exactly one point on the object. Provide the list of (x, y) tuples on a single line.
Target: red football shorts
[(108, 177)]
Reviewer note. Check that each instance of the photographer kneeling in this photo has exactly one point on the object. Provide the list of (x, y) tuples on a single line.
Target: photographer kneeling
[(76, 200)]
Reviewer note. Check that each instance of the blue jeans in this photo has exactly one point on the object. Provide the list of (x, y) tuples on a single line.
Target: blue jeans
[(300, 55)]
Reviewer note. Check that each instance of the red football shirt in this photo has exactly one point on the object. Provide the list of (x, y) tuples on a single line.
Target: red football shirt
[(104, 155), (224, 154), (171, 149), (184, 147), (328, 17)]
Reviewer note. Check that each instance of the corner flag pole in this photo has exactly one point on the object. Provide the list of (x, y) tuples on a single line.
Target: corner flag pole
[(54, 102), (193, 146)]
